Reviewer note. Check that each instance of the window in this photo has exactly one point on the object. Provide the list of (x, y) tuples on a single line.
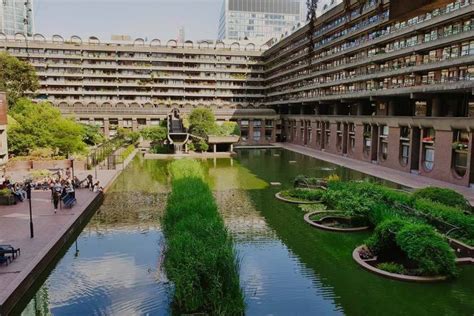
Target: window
[(256, 136)]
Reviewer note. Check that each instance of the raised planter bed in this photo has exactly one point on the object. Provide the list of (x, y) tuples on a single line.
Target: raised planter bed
[(7, 200), (369, 264), (294, 201), (323, 222)]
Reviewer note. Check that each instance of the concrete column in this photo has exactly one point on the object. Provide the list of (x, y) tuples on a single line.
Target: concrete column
[(250, 136), (360, 108), (231, 147), (148, 121), (214, 147), (134, 124), (436, 106), (273, 131), (120, 122), (106, 127), (391, 107)]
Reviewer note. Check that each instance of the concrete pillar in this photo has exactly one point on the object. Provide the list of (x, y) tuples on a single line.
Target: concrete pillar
[(148, 121), (106, 127), (214, 146), (360, 108), (436, 106), (250, 136), (391, 107), (134, 124), (335, 109), (273, 131), (120, 122), (231, 148)]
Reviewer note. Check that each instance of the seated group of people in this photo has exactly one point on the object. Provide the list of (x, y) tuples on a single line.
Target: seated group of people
[(61, 184)]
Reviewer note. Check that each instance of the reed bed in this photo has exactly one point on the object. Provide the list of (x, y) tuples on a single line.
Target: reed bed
[(200, 257)]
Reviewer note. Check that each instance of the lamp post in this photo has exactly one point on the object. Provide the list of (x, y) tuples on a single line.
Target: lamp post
[(28, 195), (72, 166)]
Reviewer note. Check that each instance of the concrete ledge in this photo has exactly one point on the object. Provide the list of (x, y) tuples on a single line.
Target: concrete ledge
[(318, 224), (190, 155), (279, 197), (25, 279), (394, 276)]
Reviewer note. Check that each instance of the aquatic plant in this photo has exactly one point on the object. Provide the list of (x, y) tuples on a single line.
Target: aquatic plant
[(200, 257)]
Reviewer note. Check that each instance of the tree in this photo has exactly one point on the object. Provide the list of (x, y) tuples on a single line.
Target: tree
[(155, 134), (202, 122), (17, 78), (92, 135), (42, 126)]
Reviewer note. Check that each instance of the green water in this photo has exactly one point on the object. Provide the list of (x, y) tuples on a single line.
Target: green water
[(286, 266)]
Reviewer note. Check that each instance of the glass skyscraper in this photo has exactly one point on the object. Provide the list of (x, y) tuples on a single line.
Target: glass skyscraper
[(13, 17), (262, 19)]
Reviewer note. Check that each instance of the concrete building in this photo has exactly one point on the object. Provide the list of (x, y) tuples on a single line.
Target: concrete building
[(16, 16), (134, 84), (261, 19), (397, 92)]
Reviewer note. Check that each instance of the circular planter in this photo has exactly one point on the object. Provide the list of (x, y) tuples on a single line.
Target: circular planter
[(320, 223), (281, 198), (365, 263)]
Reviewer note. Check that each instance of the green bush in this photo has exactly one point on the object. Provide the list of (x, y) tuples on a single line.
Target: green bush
[(200, 256), (450, 215), (392, 267), (428, 249), (127, 152), (202, 146), (160, 149), (419, 243), (382, 240), (303, 194), (444, 196)]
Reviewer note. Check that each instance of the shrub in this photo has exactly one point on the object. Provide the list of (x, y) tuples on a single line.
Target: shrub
[(200, 256), (160, 149), (444, 196), (383, 239), (127, 152), (428, 249), (303, 194), (202, 146), (392, 267), (420, 243), (450, 215)]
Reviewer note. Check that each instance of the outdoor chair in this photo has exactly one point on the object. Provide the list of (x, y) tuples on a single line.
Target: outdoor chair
[(9, 249), (5, 259)]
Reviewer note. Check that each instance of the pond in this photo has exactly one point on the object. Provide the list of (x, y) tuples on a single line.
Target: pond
[(286, 266)]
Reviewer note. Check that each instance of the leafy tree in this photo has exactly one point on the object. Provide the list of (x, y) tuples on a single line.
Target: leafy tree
[(42, 126), (128, 135), (155, 134), (228, 129), (17, 78), (92, 134), (202, 122)]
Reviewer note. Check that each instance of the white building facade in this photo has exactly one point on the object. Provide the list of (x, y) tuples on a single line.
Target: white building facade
[(16, 16), (261, 19)]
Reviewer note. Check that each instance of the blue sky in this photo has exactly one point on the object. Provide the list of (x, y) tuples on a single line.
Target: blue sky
[(137, 18)]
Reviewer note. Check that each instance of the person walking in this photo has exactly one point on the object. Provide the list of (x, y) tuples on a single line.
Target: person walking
[(57, 191), (90, 182)]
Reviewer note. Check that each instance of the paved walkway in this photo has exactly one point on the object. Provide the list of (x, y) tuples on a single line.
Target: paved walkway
[(403, 178), (49, 230)]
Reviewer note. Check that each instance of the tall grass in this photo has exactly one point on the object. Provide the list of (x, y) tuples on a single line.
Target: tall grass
[(200, 257)]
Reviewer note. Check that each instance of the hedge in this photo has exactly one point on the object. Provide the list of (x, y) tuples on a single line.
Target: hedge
[(444, 196)]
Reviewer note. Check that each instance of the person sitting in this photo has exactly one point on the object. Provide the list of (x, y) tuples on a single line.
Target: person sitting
[(90, 183), (97, 187)]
